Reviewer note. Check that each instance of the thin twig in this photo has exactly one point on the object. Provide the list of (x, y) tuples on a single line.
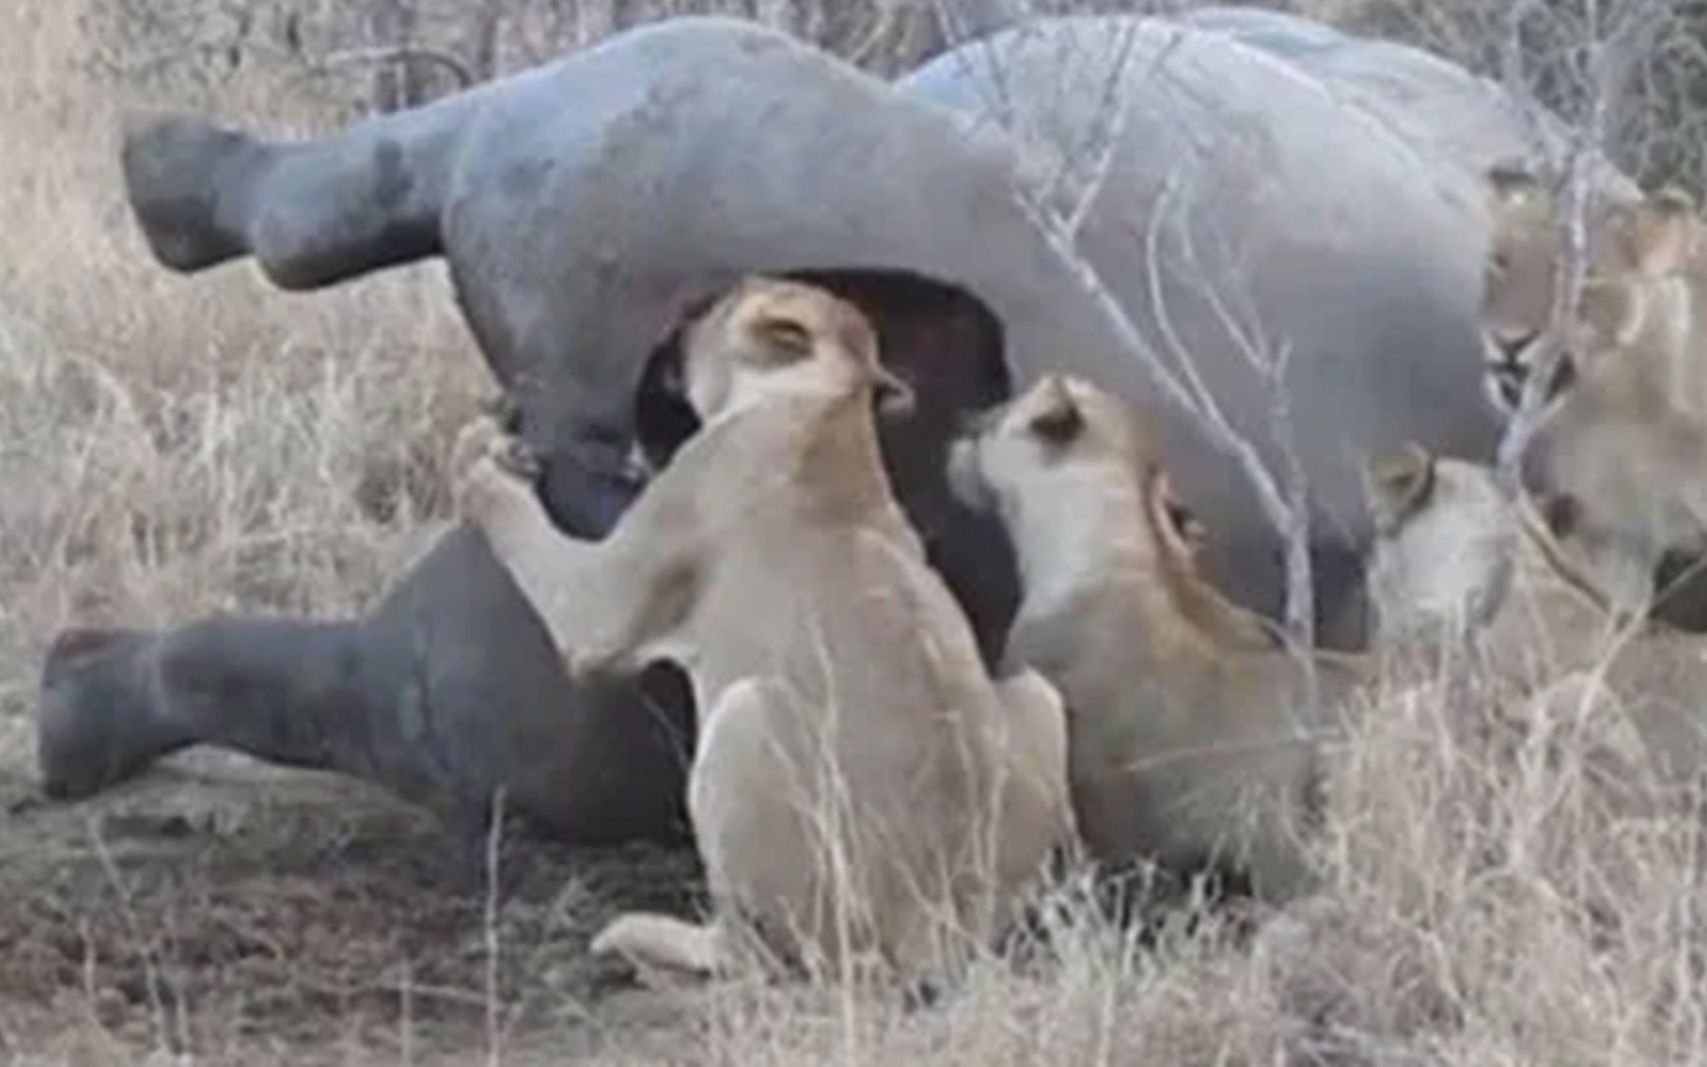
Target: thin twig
[(1284, 502), (494, 842), (1611, 59), (400, 53)]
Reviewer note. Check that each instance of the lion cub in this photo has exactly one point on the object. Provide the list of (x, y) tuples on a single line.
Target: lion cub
[(859, 782), (1187, 739)]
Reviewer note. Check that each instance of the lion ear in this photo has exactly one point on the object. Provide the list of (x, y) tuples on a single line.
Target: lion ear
[(1186, 531), (1659, 233), (894, 397), (1057, 419), (1398, 483), (1561, 512)]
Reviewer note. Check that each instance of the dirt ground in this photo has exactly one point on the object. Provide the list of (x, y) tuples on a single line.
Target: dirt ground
[(223, 911)]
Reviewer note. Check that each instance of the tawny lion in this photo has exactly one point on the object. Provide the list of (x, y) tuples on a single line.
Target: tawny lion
[(1190, 739), (1455, 558), (859, 783)]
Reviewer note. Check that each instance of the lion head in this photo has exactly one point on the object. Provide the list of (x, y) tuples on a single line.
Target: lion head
[(1049, 458), (769, 337), (1631, 323), (1445, 541), (1451, 545)]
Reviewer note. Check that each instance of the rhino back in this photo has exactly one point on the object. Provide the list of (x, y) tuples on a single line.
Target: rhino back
[(1320, 192)]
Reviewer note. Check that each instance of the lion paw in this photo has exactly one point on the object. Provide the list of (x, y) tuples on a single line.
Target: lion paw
[(474, 441), (496, 470), (510, 454)]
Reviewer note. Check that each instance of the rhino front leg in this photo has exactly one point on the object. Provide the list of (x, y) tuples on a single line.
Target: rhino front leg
[(449, 692), (288, 691)]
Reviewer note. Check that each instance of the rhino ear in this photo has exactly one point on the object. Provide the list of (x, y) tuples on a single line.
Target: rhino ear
[(1057, 419), (1398, 483)]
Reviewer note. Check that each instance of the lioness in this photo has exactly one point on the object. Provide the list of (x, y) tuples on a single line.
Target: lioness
[(1624, 431), (859, 782), (1456, 557), (1189, 740)]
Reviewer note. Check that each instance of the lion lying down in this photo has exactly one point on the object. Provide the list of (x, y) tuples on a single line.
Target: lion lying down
[(1532, 592), (860, 783), (1191, 742)]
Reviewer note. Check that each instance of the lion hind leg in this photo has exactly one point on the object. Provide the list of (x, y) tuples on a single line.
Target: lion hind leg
[(663, 943)]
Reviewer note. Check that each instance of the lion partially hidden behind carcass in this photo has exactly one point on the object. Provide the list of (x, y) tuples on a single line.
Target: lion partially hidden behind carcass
[(1192, 741), (1622, 436), (1459, 561), (861, 786)]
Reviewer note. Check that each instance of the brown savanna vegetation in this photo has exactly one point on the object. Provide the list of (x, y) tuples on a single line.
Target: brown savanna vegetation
[(172, 446)]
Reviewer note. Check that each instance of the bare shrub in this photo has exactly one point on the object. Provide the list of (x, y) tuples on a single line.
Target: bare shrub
[(1663, 131)]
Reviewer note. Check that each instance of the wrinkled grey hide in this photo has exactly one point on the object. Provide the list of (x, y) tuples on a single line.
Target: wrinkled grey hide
[(582, 204)]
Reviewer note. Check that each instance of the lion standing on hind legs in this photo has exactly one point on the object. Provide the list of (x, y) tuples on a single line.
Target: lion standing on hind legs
[(860, 783)]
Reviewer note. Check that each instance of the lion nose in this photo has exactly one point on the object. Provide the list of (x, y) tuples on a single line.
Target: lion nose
[(1506, 367)]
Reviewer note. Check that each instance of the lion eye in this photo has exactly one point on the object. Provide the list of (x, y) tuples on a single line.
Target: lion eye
[(787, 334), (1562, 513), (1564, 375)]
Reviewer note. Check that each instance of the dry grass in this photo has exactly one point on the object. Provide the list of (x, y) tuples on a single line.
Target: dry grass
[(174, 446)]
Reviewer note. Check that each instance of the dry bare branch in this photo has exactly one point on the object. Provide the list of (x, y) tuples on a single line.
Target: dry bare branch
[(1282, 498), (1611, 53), (387, 54)]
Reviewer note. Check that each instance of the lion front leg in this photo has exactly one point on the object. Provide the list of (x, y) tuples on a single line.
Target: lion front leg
[(603, 602), (662, 945), (495, 493), (1036, 808)]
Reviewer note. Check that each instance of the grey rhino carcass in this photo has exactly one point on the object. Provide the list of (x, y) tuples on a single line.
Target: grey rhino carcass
[(583, 205)]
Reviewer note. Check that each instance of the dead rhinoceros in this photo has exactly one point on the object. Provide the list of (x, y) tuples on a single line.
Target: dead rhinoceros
[(1333, 204)]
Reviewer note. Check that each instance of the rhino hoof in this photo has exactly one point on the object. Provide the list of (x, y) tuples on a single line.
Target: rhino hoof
[(94, 726)]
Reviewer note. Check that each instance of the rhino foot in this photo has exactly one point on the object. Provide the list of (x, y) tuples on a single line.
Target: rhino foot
[(173, 167), (96, 725)]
